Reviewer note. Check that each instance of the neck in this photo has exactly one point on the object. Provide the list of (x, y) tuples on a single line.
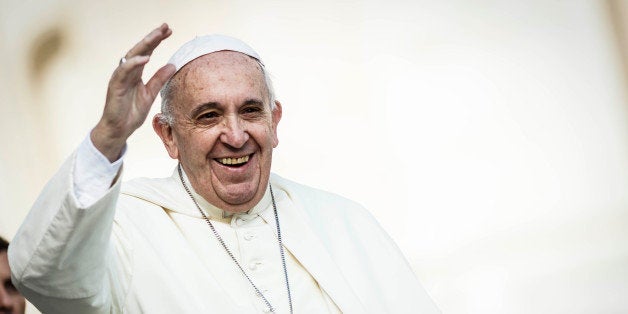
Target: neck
[(218, 212)]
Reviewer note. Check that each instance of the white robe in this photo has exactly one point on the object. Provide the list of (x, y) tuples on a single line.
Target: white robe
[(136, 250)]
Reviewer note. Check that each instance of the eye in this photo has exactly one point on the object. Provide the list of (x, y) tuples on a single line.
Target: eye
[(208, 115), (251, 109), (8, 286)]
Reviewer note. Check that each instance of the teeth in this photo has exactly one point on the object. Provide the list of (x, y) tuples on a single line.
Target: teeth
[(234, 161)]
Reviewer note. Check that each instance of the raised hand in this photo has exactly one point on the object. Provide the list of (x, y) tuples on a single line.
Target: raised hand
[(128, 98)]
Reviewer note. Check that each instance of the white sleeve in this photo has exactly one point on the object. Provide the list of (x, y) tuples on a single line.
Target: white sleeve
[(63, 258), (93, 173)]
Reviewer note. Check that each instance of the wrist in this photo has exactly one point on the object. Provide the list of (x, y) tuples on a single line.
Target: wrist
[(107, 143)]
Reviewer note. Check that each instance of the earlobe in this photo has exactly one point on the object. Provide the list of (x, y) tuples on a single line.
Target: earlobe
[(164, 131), (277, 112)]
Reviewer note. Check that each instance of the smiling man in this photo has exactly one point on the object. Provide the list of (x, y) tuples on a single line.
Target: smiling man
[(223, 129), (221, 235)]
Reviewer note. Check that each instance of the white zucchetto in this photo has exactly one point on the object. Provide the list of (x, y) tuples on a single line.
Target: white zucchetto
[(207, 44)]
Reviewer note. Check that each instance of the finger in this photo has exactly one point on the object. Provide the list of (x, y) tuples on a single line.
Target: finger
[(146, 46), (130, 71), (158, 80)]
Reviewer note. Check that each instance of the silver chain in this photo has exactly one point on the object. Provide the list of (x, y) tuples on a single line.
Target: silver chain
[(224, 245)]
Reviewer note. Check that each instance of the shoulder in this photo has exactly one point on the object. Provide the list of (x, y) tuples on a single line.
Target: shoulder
[(310, 194), (319, 204), (146, 185), (143, 190), (139, 196), (142, 201), (163, 192)]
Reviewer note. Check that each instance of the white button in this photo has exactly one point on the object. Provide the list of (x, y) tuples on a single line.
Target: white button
[(239, 221), (249, 236), (254, 265)]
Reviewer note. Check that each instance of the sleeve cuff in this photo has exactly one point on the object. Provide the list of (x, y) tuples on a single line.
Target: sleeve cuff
[(93, 173)]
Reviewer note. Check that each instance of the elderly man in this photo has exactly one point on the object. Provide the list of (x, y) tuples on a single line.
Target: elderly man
[(11, 301), (222, 235)]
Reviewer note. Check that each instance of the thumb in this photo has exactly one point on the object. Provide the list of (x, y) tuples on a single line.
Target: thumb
[(159, 79)]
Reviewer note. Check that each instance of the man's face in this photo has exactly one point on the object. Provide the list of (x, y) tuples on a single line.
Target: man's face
[(11, 301), (224, 131)]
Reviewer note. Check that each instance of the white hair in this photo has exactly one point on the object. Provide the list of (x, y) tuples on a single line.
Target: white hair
[(167, 116)]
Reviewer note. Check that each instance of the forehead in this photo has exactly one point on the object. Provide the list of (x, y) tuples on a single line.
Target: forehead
[(223, 73)]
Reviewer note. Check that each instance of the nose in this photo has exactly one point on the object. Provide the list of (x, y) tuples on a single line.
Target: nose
[(5, 300), (234, 132)]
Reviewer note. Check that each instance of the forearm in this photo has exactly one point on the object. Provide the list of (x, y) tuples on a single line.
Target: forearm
[(62, 248)]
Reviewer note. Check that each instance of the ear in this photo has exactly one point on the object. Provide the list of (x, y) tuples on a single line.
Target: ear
[(276, 117), (164, 130)]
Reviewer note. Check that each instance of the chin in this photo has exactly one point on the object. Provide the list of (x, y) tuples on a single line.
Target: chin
[(239, 200)]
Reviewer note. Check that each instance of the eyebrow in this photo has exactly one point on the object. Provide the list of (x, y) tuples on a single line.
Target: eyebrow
[(253, 101), (203, 107)]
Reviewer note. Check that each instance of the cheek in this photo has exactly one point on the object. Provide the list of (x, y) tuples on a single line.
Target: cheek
[(265, 137), (182, 145), (198, 144)]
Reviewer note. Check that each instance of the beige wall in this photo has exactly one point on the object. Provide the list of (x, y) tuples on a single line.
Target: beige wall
[(488, 137)]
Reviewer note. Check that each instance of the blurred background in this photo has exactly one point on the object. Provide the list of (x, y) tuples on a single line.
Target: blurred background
[(489, 138)]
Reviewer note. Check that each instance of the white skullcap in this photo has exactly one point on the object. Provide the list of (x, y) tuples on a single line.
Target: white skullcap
[(203, 45)]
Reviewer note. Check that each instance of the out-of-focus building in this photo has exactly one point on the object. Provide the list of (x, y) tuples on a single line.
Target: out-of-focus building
[(490, 138)]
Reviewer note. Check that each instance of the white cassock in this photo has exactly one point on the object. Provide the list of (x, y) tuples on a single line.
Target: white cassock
[(143, 247)]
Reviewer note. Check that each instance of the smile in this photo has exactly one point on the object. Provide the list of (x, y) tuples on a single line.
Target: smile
[(233, 162)]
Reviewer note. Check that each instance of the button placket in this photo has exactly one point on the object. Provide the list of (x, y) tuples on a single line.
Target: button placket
[(257, 245)]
